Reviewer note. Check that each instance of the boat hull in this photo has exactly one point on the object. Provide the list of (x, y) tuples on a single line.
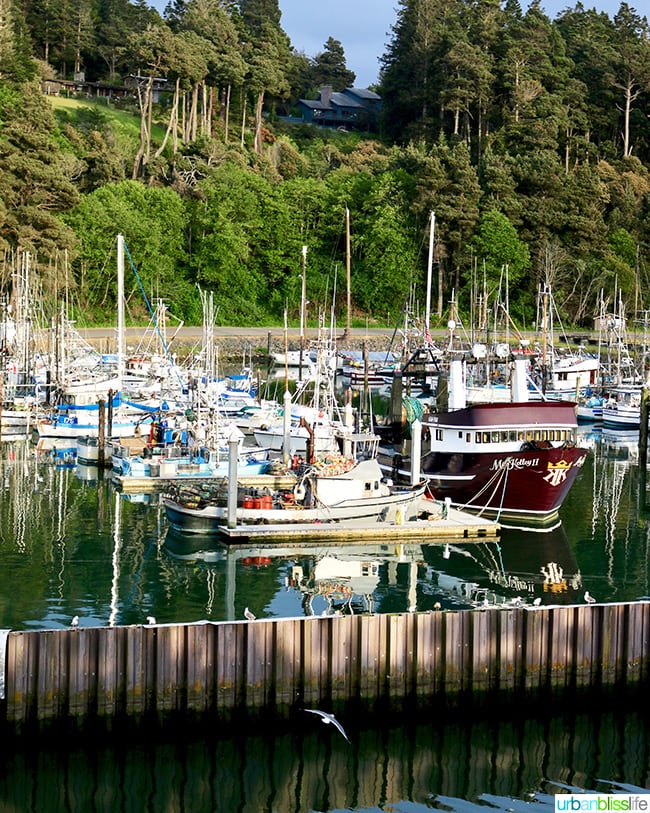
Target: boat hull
[(527, 487), (402, 505)]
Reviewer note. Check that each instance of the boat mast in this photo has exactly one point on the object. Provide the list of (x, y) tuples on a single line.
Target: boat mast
[(427, 315), (120, 310), (303, 307), (346, 334)]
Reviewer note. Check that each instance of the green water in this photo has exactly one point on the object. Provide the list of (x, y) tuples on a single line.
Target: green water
[(71, 546)]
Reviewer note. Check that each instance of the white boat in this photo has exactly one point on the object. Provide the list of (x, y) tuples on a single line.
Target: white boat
[(292, 358), (306, 423), (74, 420), (327, 492), (204, 464), (319, 420), (623, 407), (589, 408)]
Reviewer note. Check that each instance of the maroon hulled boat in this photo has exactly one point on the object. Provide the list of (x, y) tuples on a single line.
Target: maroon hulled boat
[(512, 462)]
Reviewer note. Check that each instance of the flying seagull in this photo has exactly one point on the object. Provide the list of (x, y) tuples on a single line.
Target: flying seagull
[(249, 615), (75, 621), (327, 719), (588, 598), (151, 620)]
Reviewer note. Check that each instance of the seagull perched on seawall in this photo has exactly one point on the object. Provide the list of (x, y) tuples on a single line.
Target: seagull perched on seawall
[(588, 598), (537, 602), (327, 719), (248, 615), (151, 620), (75, 621)]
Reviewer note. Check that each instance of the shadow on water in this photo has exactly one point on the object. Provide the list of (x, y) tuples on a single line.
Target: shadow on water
[(454, 765)]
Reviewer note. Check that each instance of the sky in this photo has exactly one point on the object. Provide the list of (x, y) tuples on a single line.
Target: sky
[(363, 27)]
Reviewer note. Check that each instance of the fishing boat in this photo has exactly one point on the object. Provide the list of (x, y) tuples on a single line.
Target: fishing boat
[(329, 491), (203, 464), (512, 462), (623, 407), (78, 417), (589, 407)]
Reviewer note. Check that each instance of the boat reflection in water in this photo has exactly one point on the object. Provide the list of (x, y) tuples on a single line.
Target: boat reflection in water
[(378, 577)]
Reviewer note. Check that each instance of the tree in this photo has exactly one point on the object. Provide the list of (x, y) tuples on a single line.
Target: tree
[(153, 222), (407, 76), (329, 67), (498, 244), (16, 62), (267, 52), (34, 183), (631, 64), (226, 66), (156, 52)]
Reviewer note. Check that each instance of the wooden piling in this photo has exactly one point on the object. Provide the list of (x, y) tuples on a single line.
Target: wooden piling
[(219, 671)]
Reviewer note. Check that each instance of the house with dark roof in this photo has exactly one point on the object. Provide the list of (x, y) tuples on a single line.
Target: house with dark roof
[(350, 109)]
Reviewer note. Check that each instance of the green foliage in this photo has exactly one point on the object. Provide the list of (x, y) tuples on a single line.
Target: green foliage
[(624, 246), (498, 245), (526, 137), (153, 222)]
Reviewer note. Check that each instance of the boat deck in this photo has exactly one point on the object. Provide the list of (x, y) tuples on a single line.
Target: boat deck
[(128, 484), (441, 524)]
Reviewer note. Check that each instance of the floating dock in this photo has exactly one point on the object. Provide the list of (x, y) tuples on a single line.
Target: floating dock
[(442, 523)]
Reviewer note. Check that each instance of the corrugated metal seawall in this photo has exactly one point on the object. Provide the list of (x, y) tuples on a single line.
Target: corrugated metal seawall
[(219, 670)]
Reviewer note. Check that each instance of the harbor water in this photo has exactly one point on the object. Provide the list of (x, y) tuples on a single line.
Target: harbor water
[(73, 546)]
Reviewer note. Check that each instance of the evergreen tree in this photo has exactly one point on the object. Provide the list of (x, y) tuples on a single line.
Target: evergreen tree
[(329, 67), (16, 62), (267, 54), (631, 64), (34, 185)]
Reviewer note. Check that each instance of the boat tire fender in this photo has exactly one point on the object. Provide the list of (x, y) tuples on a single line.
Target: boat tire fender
[(299, 492)]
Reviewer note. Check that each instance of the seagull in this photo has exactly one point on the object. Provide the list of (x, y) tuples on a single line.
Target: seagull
[(446, 553), (75, 621), (588, 598), (151, 620), (329, 718), (249, 615), (537, 602)]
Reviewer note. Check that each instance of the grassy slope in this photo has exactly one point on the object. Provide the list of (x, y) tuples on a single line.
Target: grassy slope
[(125, 124)]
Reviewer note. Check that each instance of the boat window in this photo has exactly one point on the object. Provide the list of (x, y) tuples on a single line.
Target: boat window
[(468, 437), (478, 437), (504, 437), (460, 436), (537, 435), (486, 437), (495, 437), (513, 435), (520, 435), (529, 435)]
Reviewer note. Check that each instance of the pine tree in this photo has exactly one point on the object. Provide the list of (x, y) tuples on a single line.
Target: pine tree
[(329, 67)]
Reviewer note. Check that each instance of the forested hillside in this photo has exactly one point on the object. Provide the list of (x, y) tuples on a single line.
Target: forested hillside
[(528, 137)]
